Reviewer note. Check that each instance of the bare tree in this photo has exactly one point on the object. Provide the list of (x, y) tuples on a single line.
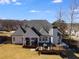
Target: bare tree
[(60, 14), (60, 23), (73, 13)]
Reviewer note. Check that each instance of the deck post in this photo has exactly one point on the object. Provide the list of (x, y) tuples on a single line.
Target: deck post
[(38, 41)]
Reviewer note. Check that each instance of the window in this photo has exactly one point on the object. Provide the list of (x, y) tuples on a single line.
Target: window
[(13, 38), (40, 39), (44, 39), (58, 34), (34, 41), (27, 41)]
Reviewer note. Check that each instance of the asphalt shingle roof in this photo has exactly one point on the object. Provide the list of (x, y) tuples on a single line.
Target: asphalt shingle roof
[(43, 32), (19, 32), (36, 31), (39, 24), (40, 27), (31, 32)]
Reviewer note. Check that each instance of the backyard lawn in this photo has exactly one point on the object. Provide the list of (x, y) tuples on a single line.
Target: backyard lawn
[(11, 51)]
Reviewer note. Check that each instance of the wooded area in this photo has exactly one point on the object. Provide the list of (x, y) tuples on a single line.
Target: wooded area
[(9, 25)]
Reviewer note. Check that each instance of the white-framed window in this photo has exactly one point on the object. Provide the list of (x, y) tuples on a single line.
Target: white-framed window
[(33, 39), (13, 38), (44, 39), (40, 39)]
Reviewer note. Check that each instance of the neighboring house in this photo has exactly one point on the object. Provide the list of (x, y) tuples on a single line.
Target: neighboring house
[(77, 34), (72, 32), (35, 33)]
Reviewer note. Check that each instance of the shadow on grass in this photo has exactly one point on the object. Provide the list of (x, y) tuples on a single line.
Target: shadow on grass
[(50, 53), (29, 47), (71, 50), (69, 55)]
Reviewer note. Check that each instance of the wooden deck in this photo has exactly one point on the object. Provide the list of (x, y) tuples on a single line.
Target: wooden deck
[(55, 49)]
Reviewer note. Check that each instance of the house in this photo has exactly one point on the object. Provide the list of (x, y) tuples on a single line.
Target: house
[(35, 33), (72, 32), (77, 34)]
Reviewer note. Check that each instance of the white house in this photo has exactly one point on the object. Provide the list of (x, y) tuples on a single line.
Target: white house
[(36, 33)]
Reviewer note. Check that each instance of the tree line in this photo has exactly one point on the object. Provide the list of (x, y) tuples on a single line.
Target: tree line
[(9, 25)]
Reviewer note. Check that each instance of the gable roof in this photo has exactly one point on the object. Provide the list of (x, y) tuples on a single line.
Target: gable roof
[(43, 32), (39, 24), (40, 27), (19, 32), (30, 32)]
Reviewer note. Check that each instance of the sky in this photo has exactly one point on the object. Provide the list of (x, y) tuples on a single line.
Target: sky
[(34, 9)]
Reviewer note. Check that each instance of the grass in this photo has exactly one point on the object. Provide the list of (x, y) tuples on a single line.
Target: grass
[(11, 51)]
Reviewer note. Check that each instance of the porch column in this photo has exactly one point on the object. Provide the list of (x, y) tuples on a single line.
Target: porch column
[(30, 41), (52, 40), (48, 39), (24, 41)]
